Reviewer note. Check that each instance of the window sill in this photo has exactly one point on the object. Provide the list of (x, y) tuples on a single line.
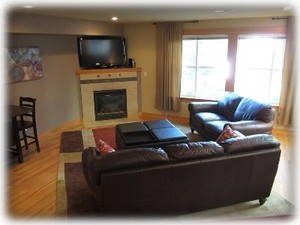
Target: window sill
[(191, 99)]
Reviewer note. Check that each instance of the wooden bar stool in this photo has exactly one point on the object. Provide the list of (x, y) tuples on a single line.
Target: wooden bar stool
[(28, 121)]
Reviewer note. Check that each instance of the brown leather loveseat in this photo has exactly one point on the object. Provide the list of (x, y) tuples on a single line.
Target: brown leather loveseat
[(182, 178), (242, 114)]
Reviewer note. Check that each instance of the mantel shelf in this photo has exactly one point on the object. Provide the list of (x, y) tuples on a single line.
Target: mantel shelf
[(114, 70)]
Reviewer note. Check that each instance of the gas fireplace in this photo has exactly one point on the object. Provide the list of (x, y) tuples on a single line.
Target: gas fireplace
[(110, 104)]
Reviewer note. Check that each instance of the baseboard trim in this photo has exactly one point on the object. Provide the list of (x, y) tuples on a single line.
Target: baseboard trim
[(65, 127), (78, 124), (155, 116)]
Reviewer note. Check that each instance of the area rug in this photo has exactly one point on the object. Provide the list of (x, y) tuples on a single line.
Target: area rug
[(73, 195), (74, 198), (71, 142)]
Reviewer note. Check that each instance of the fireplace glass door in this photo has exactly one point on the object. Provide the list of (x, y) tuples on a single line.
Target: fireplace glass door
[(110, 104)]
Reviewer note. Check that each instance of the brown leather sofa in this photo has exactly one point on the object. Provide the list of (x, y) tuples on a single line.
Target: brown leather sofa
[(182, 178), (242, 114)]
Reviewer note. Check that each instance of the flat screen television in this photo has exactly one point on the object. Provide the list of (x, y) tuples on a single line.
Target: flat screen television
[(102, 52)]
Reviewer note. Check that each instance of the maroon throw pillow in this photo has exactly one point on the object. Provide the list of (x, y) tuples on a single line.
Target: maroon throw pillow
[(228, 133), (104, 148)]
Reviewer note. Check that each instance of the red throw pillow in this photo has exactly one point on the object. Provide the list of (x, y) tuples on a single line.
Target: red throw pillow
[(104, 148), (228, 133)]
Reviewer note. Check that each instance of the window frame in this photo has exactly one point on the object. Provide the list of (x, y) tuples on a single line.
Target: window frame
[(270, 68), (203, 37)]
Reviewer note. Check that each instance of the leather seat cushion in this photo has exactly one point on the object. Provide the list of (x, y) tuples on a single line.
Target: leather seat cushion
[(204, 117), (215, 126)]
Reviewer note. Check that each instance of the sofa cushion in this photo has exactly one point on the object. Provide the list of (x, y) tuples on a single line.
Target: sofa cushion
[(204, 117), (228, 104), (228, 133), (130, 158), (249, 109), (249, 143), (194, 150)]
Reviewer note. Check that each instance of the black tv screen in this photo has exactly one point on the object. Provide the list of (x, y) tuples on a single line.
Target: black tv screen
[(102, 52)]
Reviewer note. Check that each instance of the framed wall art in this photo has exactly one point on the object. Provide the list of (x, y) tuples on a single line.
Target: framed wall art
[(24, 63)]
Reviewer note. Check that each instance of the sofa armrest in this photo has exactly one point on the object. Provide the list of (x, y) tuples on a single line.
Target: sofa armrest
[(89, 155), (250, 143), (195, 107), (249, 127)]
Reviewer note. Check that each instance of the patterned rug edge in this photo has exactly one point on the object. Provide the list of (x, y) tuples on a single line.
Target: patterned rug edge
[(69, 157)]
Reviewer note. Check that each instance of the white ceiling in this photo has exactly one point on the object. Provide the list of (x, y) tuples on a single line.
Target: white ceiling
[(130, 13)]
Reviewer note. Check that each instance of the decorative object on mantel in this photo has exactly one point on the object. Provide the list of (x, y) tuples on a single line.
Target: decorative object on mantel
[(24, 63)]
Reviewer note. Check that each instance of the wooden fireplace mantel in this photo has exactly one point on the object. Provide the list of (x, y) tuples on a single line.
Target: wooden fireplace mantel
[(113, 70)]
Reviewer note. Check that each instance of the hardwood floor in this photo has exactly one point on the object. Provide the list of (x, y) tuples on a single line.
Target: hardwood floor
[(31, 186), (285, 180)]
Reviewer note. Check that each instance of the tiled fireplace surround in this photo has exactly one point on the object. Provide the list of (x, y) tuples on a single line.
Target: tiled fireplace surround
[(109, 79)]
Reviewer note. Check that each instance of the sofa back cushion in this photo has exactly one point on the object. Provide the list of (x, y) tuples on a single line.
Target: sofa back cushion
[(249, 143), (228, 104), (249, 109), (193, 150), (130, 158)]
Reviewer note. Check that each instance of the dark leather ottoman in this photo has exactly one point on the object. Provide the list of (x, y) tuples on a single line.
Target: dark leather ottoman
[(156, 133)]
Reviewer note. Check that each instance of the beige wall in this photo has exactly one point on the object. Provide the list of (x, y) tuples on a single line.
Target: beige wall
[(35, 24), (141, 46), (58, 92)]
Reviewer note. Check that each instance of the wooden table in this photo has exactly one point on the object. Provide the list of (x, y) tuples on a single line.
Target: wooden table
[(13, 112)]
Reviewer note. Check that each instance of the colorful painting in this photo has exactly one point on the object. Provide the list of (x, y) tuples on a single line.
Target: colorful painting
[(24, 64)]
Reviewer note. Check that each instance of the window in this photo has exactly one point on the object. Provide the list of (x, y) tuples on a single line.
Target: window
[(204, 67), (259, 67)]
